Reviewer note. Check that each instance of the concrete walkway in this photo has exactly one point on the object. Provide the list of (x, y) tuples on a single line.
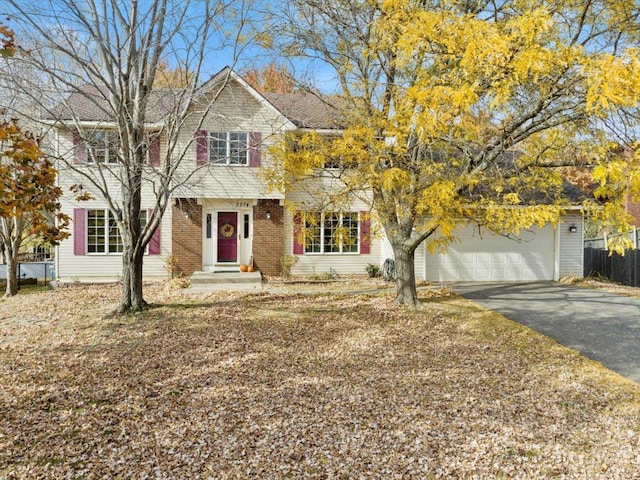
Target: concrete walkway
[(600, 325)]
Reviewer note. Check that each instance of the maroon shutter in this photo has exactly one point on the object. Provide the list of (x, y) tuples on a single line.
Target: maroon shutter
[(79, 231), (154, 152), (365, 230), (202, 147), (79, 150), (154, 243), (298, 248), (255, 148)]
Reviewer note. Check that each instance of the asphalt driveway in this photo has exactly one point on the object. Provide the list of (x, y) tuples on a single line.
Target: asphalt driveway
[(600, 325)]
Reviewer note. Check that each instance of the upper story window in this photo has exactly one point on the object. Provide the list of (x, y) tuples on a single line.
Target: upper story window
[(102, 147), (228, 148), (334, 162)]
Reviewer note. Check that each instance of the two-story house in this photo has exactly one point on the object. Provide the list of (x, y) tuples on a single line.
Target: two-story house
[(222, 215)]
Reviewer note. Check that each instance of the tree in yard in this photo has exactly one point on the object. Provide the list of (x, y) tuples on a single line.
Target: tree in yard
[(29, 197), (109, 56), (8, 47), (272, 79), (456, 110)]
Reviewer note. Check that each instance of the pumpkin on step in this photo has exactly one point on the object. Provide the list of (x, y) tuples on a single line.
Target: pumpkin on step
[(250, 268), (244, 268)]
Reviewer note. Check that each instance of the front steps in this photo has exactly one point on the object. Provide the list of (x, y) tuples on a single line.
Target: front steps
[(205, 282)]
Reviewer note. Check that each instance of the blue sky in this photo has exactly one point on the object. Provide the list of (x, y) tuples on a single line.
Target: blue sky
[(55, 14)]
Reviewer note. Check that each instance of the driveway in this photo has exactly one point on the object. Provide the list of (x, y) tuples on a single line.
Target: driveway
[(600, 325)]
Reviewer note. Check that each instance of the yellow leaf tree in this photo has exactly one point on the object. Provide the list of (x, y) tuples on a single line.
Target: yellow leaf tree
[(456, 110)]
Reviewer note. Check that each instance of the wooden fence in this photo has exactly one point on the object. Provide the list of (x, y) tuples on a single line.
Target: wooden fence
[(617, 268), (599, 261)]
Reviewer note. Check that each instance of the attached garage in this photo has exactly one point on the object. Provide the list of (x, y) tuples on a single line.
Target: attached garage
[(479, 255)]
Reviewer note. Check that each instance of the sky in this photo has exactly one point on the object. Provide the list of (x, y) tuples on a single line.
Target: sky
[(221, 49)]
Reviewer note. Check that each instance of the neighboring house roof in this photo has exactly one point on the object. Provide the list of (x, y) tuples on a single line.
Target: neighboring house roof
[(89, 105)]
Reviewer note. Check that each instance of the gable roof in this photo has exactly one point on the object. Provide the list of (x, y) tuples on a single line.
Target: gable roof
[(303, 110)]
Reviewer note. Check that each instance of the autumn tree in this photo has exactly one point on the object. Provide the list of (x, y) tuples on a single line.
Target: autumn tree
[(109, 55), (166, 77), (8, 47), (30, 197), (457, 110), (271, 79)]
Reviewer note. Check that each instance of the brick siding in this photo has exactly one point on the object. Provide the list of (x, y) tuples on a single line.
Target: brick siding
[(187, 235), (268, 236), (634, 210)]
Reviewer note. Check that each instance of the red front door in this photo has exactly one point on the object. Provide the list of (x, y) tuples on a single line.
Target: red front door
[(227, 237)]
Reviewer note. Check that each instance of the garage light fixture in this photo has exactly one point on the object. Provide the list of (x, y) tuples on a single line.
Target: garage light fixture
[(573, 228)]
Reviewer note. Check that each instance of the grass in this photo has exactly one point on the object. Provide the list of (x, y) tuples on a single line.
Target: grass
[(278, 385)]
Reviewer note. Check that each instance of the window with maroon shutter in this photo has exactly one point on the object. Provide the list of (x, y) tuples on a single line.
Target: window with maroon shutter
[(79, 231), (365, 232), (202, 147), (255, 148), (79, 150), (331, 233), (298, 247), (154, 152), (228, 148)]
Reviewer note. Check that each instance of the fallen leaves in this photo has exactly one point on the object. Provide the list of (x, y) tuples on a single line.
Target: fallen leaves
[(299, 386)]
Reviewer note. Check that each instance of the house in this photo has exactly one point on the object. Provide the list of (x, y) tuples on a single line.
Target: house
[(224, 216)]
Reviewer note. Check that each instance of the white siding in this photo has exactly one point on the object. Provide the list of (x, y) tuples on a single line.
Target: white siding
[(101, 267), (107, 267), (235, 110), (571, 261), (238, 111)]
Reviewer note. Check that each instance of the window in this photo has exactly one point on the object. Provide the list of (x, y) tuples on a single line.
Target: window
[(334, 163), (331, 232), (228, 148), (103, 235), (102, 147)]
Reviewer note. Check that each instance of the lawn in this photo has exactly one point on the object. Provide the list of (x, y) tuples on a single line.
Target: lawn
[(276, 385)]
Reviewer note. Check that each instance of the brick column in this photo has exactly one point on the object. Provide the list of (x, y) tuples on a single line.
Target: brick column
[(187, 235), (268, 236)]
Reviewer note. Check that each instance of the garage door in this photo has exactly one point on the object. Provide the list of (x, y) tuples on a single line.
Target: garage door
[(483, 256)]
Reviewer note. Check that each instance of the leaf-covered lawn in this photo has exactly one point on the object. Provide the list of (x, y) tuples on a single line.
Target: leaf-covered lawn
[(292, 386)]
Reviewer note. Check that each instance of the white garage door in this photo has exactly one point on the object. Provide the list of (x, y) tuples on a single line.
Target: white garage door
[(483, 256)]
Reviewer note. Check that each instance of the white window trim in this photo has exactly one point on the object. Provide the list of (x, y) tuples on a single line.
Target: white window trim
[(92, 148), (106, 252), (322, 252), (227, 157)]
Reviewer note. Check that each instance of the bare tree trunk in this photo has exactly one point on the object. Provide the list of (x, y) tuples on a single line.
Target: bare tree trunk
[(132, 299), (11, 254), (133, 252), (406, 293)]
